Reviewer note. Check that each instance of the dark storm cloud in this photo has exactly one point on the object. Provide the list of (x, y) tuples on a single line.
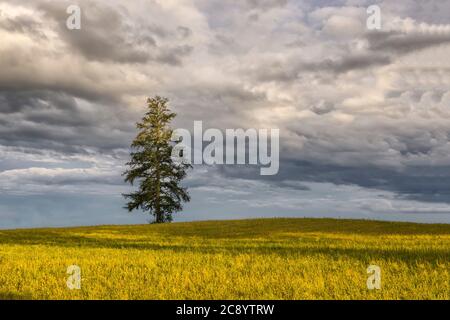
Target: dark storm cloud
[(18, 101), (430, 184), (415, 183), (227, 100), (174, 56), (402, 43), (291, 70), (322, 107), (22, 24), (348, 63), (22, 71), (384, 47), (105, 35), (266, 4), (55, 120), (69, 100)]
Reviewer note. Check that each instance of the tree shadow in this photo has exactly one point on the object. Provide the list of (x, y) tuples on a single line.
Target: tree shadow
[(282, 237), (5, 295), (284, 248)]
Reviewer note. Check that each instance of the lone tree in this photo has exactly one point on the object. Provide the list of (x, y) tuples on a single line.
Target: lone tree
[(152, 166)]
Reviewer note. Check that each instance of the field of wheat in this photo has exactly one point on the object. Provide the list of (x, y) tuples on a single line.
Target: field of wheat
[(247, 259)]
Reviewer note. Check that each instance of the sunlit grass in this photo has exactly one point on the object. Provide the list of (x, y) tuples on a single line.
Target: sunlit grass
[(248, 259)]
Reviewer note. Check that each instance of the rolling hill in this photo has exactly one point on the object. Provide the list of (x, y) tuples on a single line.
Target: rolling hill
[(242, 259)]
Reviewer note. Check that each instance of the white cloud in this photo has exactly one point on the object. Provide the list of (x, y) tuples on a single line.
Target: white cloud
[(342, 97)]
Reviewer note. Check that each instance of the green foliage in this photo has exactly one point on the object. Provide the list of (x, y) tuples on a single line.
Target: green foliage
[(152, 166)]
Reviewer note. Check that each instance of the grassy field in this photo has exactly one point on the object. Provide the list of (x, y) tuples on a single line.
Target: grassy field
[(248, 259)]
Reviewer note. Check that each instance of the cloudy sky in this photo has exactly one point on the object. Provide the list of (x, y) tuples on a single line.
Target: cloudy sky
[(364, 115)]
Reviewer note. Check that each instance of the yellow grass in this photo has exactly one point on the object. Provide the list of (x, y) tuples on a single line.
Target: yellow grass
[(248, 259)]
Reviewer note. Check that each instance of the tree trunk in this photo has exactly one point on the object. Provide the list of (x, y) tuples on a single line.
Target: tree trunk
[(159, 217)]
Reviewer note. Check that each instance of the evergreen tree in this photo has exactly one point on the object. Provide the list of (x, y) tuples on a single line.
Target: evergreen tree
[(152, 167)]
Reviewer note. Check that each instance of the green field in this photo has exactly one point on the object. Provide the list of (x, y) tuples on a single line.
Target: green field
[(247, 259)]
